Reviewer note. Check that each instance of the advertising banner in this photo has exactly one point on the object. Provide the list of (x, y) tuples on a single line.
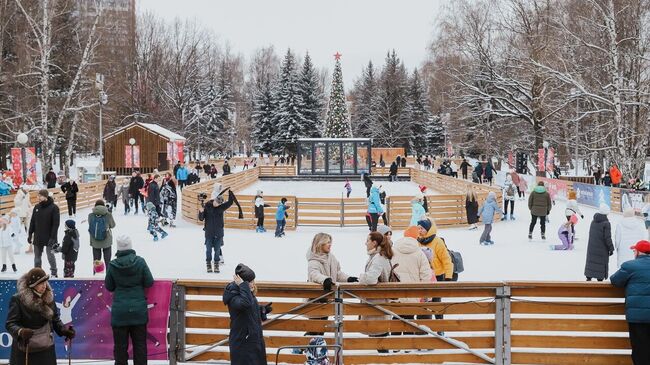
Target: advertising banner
[(635, 199), (175, 151), (132, 161), (17, 166), (557, 189), (86, 304), (540, 159), (550, 160), (593, 195)]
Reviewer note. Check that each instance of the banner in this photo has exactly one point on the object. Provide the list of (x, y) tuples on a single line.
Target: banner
[(540, 159), (511, 160), (86, 304), (593, 195), (550, 160), (635, 199), (557, 189), (132, 161), (175, 151), (17, 166)]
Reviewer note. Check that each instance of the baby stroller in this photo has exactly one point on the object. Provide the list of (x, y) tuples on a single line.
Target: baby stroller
[(316, 351)]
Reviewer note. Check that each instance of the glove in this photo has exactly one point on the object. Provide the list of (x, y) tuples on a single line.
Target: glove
[(29, 240), (611, 253), (582, 216), (353, 279), (268, 308), (26, 333), (69, 333), (327, 284)]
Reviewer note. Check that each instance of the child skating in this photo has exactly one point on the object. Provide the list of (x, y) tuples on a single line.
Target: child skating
[(566, 235), (6, 245), (259, 211), (348, 188), (487, 212), (18, 232), (70, 248), (153, 225), (281, 218)]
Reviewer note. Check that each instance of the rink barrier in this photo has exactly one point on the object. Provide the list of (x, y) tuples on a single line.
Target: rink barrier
[(500, 322)]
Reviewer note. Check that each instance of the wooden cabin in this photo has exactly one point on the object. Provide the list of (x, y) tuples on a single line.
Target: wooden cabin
[(154, 147)]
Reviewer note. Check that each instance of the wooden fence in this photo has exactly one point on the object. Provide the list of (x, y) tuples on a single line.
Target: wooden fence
[(500, 323)]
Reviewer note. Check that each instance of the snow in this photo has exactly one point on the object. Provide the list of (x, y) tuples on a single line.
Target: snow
[(328, 189), (163, 131)]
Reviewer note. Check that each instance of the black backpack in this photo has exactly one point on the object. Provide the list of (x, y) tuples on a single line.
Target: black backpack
[(456, 258)]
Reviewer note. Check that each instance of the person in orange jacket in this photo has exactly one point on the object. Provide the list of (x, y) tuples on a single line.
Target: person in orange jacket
[(616, 175)]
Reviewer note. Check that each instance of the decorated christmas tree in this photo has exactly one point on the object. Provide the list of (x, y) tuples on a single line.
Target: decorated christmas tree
[(337, 124)]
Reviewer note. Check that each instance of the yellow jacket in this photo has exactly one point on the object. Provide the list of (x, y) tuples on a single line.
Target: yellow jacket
[(441, 262)]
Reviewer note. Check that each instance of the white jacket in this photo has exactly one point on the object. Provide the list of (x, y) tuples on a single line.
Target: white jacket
[(21, 201), (628, 232), (572, 208), (6, 241), (377, 269), (323, 266), (413, 266), (508, 183)]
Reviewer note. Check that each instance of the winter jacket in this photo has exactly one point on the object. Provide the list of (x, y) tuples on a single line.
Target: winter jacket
[(27, 310), (246, 339), (70, 190), (471, 208), (280, 213), (110, 191), (44, 224), (441, 263), (599, 248), (50, 179), (489, 169), (321, 266), (135, 184), (6, 240), (102, 211), (489, 209), (213, 217), (374, 202), (21, 201), (572, 208), (18, 234), (181, 173), (634, 275), (539, 202), (463, 166), (615, 175), (412, 264), (70, 246), (607, 180), (646, 213), (176, 167), (259, 206), (509, 189), (417, 211), (127, 277), (153, 193), (123, 192), (393, 169), (226, 169), (628, 232), (479, 169)]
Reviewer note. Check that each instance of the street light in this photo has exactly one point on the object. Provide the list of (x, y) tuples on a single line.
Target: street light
[(22, 139), (132, 143)]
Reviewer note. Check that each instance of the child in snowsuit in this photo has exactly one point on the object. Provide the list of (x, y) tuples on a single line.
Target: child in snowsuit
[(70, 248), (6, 245), (153, 225), (317, 355), (259, 211), (17, 231), (123, 193), (348, 188), (566, 234), (487, 212), (281, 217)]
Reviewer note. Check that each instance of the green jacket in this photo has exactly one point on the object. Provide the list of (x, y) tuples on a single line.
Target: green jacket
[(110, 224), (539, 202), (127, 276)]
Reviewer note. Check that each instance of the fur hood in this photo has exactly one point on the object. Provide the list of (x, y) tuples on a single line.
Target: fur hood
[(33, 302)]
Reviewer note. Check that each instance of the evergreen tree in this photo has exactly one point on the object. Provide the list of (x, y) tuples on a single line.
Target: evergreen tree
[(337, 124), (364, 114), (419, 116), (394, 126), (435, 136), (288, 117), (264, 131), (312, 100)]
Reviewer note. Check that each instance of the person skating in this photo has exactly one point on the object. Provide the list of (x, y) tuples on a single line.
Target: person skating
[(123, 193), (392, 175), (628, 232), (565, 233), (646, 214), (572, 208), (374, 208), (226, 168), (24, 206), (281, 217), (181, 175), (487, 213), (70, 248), (127, 277), (509, 194), (471, 208), (539, 203), (600, 246), (259, 211), (50, 179), (246, 338), (168, 198), (176, 167), (489, 171), (417, 209), (464, 166), (348, 188), (634, 276), (615, 175), (18, 233), (607, 180), (6, 245), (110, 193), (70, 189), (43, 230), (100, 224), (153, 193), (31, 318), (135, 184), (212, 215), (478, 170), (153, 222)]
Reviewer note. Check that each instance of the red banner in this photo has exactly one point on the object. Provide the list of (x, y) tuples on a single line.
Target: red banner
[(129, 160), (511, 160), (550, 160), (17, 166), (540, 159), (557, 189), (175, 151)]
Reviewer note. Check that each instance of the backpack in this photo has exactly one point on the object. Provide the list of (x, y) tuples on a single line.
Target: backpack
[(510, 191), (393, 277), (97, 228), (456, 259)]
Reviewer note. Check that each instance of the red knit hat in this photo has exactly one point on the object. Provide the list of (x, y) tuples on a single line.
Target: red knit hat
[(422, 188)]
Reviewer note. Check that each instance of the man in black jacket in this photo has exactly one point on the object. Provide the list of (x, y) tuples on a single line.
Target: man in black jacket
[(50, 179), (135, 185), (226, 168), (212, 216), (153, 193), (43, 229)]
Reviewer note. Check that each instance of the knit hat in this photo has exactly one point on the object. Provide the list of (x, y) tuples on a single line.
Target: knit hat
[(573, 219), (572, 195), (15, 210), (44, 193), (412, 232), (422, 188), (642, 246), (425, 223), (216, 189), (628, 212), (36, 276), (604, 209), (124, 243), (259, 192), (70, 224), (383, 229), (245, 272)]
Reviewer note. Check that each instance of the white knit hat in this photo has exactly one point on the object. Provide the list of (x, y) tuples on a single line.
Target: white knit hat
[(604, 209), (124, 243)]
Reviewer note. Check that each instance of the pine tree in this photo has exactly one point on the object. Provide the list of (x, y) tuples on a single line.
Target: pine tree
[(435, 136), (419, 115), (364, 115), (337, 124), (264, 131), (312, 100), (393, 126), (288, 117)]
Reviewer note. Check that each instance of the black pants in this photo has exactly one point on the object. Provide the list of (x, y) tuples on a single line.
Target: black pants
[(260, 220), (589, 279), (512, 206), (138, 335), (465, 175), (533, 221), (384, 218), (72, 206), (97, 254), (640, 338), (519, 192), (137, 197), (374, 220), (181, 183)]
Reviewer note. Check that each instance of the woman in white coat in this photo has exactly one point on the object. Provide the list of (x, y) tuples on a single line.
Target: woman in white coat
[(628, 232), (24, 206)]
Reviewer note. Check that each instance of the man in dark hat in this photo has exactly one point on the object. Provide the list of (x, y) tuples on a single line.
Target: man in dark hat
[(43, 230)]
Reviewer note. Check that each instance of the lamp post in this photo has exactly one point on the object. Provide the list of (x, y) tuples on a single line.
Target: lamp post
[(22, 139), (545, 145), (575, 93), (132, 143)]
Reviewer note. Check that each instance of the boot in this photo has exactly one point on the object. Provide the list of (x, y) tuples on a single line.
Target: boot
[(4, 268), (216, 267), (209, 266), (13, 267), (543, 236), (530, 235)]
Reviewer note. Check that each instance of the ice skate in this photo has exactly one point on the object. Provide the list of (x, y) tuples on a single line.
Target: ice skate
[(543, 236), (209, 266), (13, 267), (216, 267), (163, 235), (155, 238), (530, 236), (4, 268)]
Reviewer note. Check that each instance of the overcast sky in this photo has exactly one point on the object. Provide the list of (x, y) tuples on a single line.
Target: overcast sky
[(361, 30)]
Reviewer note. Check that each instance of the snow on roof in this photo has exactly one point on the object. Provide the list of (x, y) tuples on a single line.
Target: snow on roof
[(163, 131)]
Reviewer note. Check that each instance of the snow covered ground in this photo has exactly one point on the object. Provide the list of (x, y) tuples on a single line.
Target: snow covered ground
[(329, 189)]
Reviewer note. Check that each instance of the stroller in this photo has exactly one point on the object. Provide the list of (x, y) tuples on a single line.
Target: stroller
[(316, 351)]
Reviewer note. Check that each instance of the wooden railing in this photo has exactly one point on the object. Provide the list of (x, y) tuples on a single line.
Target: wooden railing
[(273, 171), (501, 323)]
